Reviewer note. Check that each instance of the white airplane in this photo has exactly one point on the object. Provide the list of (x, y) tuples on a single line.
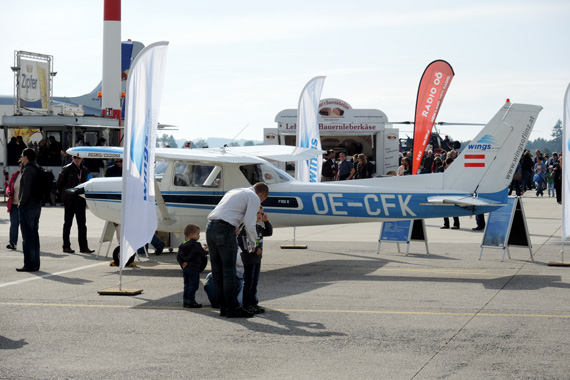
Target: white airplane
[(189, 183)]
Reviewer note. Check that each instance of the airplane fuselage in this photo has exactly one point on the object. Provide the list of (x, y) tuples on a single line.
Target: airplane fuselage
[(290, 203)]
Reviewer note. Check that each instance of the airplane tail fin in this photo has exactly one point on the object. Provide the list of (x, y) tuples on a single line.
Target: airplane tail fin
[(91, 102), (489, 161)]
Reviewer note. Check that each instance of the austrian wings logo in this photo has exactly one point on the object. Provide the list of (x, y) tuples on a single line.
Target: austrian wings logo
[(484, 143)]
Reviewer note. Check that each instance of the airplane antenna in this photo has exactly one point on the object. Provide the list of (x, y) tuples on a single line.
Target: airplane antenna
[(239, 133), (438, 123)]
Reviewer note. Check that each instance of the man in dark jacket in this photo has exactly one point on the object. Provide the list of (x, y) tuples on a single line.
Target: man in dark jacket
[(329, 167), (115, 170), (527, 165), (30, 209), (72, 175)]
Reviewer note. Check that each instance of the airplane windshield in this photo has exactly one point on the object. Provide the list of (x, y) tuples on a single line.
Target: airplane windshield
[(264, 173), (159, 169), (188, 175)]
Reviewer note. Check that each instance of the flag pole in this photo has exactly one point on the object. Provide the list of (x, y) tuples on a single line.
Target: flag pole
[(565, 174), (308, 136), (142, 104), (565, 148)]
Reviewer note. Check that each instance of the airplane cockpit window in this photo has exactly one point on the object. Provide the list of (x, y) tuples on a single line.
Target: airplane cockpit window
[(159, 169), (189, 175), (264, 173)]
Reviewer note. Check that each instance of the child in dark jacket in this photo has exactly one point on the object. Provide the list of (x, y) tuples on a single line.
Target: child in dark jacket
[(189, 256), (252, 262)]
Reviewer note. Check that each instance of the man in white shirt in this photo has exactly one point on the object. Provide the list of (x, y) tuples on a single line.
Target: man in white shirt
[(237, 206)]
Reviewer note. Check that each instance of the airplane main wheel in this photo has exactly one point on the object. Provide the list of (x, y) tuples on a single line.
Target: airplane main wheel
[(117, 257)]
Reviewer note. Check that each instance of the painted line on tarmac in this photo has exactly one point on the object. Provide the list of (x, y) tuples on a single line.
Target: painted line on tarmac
[(49, 275), (461, 271), (316, 311), (446, 271)]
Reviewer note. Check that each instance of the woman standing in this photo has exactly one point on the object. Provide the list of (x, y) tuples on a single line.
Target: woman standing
[(558, 180), (405, 168), (362, 168), (13, 201)]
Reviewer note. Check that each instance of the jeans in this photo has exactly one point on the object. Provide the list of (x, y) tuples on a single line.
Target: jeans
[(250, 280), (222, 243), (538, 184), (480, 218), (516, 185), (191, 284), (550, 189), (30, 225), (209, 289), (14, 224), (156, 243), (75, 207)]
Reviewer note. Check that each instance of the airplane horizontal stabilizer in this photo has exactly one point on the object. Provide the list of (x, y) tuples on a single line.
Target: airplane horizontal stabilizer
[(461, 201)]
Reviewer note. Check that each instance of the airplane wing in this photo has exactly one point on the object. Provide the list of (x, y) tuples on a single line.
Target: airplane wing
[(461, 201), (106, 152), (237, 155), (280, 153)]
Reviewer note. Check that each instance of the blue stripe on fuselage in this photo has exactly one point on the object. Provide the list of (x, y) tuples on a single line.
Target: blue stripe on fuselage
[(382, 205), (341, 204)]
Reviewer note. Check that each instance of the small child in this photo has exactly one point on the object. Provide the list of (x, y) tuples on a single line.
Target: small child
[(550, 181), (190, 255), (252, 262)]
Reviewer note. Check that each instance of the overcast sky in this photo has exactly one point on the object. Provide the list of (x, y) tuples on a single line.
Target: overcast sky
[(232, 64)]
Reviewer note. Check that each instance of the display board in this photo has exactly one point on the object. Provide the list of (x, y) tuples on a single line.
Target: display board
[(506, 227), (403, 231)]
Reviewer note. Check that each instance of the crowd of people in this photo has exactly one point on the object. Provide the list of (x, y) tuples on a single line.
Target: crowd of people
[(49, 151), (343, 169), (540, 172), (26, 195)]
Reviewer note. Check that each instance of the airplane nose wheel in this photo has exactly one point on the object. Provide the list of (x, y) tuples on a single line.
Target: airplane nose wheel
[(117, 257)]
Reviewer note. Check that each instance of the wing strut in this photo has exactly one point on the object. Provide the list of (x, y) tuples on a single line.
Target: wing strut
[(165, 218)]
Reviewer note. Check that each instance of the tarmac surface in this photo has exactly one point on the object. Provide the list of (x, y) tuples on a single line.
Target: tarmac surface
[(337, 310)]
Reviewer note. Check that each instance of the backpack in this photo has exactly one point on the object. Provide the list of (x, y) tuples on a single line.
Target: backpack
[(44, 183), (518, 175)]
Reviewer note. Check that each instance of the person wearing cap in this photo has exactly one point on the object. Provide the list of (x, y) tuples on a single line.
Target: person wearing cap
[(72, 175), (329, 167)]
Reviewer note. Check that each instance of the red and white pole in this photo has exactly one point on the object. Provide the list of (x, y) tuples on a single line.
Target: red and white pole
[(111, 96)]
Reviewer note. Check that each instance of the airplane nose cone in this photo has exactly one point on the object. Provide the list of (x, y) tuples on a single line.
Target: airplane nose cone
[(75, 191)]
